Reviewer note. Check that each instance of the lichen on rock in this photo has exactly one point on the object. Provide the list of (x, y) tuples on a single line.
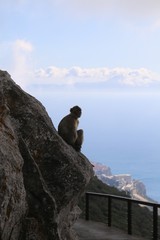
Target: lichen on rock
[(41, 177)]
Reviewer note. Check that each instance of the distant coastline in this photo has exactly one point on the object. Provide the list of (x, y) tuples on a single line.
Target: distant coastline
[(123, 182)]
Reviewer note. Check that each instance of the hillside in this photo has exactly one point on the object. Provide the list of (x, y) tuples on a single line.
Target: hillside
[(142, 216)]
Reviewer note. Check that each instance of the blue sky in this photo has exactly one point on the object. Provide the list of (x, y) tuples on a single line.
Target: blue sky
[(103, 55)]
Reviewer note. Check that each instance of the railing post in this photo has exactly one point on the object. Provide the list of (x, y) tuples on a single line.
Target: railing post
[(109, 211), (87, 206), (155, 222), (129, 217)]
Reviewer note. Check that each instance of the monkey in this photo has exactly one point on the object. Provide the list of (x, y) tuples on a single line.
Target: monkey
[(67, 128)]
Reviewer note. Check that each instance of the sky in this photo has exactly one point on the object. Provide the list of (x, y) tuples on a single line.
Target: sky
[(103, 55), (100, 43)]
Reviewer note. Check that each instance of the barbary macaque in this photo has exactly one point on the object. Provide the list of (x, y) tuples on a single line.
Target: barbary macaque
[(67, 128)]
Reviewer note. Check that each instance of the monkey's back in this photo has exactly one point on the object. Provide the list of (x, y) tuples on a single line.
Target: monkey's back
[(67, 129)]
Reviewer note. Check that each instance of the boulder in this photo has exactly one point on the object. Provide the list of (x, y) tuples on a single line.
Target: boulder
[(41, 176)]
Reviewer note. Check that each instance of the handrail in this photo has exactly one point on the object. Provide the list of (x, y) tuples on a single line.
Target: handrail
[(129, 201)]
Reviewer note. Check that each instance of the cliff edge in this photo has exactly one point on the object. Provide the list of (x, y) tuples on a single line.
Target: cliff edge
[(41, 177)]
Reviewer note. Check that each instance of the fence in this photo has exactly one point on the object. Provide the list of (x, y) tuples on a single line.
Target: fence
[(129, 201)]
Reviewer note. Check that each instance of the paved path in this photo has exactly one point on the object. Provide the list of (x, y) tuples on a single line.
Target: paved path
[(88, 230)]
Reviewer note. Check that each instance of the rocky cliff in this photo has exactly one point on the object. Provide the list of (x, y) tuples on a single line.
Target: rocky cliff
[(41, 177), (123, 182)]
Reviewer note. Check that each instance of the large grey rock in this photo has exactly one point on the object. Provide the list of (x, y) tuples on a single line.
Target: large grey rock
[(41, 177)]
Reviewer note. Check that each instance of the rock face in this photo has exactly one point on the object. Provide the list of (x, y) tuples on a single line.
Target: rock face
[(41, 177)]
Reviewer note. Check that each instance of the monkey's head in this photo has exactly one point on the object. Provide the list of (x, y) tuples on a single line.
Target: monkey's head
[(76, 111)]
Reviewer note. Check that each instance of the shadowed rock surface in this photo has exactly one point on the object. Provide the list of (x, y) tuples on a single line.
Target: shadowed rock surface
[(41, 177)]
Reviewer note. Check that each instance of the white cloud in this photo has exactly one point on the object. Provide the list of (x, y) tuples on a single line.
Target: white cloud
[(138, 77), (22, 45), (156, 25), (77, 75), (23, 72), (22, 68), (73, 75)]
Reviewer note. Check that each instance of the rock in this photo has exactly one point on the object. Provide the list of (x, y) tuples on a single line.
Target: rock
[(102, 169), (41, 177), (123, 182)]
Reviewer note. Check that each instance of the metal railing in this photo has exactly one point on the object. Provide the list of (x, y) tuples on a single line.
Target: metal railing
[(129, 201)]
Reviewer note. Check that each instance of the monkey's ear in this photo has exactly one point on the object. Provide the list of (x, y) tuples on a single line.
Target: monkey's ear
[(71, 109)]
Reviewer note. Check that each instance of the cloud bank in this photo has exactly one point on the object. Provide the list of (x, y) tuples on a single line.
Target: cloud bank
[(118, 77), (21, 66), (24, 73)]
